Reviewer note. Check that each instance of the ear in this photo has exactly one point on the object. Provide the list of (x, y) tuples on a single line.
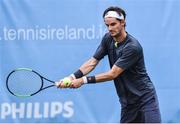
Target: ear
[(123, 23)]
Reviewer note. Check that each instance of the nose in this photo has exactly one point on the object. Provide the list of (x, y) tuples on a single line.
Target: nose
[(110, 28)]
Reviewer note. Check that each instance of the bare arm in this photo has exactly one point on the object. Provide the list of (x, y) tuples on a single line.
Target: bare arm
[(85, 68), (88, 66), (102, 77), (109, 75)]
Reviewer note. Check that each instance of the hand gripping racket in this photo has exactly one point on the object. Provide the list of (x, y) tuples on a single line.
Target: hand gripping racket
[(25, 82)]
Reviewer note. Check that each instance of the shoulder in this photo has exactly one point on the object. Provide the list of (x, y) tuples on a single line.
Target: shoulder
[(107, 39), (133, 44)]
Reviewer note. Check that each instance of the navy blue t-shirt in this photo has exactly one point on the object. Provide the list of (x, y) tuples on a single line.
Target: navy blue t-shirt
[(133, 86)]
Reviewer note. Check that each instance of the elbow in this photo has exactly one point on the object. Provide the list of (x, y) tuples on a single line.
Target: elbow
[(115, 72), (112, 75)]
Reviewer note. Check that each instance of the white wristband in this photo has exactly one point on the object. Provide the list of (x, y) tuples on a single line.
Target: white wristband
[(85, 80), (73, 76)]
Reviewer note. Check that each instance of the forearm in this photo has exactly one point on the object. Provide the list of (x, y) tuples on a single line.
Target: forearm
[(106, 76), (88, 66)]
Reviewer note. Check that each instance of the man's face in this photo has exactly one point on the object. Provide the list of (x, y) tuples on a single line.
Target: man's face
[(114, 26)]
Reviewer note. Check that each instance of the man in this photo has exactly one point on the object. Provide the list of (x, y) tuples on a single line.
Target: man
[(136, 92)]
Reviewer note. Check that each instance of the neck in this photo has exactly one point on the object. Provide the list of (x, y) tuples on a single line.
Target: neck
[(121, 37)]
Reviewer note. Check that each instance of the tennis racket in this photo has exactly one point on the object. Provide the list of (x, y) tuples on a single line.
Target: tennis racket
[(25, 82)]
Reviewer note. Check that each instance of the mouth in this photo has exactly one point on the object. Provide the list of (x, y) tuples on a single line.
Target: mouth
[(112, 32)]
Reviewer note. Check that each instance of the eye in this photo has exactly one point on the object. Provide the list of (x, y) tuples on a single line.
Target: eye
[(113, 24), (107, 25)]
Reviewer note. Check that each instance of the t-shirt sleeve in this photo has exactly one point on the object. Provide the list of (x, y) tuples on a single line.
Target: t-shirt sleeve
[(130, 55), (101, 51)]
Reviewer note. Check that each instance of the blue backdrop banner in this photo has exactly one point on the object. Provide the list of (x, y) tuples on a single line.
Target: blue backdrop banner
[(54, 37)]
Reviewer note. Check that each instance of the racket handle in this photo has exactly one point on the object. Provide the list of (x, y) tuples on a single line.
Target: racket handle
[(56, 84)]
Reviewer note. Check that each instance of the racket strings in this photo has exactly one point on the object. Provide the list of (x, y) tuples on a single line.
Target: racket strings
[(24, 82)]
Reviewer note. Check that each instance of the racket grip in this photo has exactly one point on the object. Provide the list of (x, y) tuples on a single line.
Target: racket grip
[(56, 84)]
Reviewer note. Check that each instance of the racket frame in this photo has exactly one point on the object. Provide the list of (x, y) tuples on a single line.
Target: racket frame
[(28, 95)]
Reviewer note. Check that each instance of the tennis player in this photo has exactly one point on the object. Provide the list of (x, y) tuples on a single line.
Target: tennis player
[(139, 102)]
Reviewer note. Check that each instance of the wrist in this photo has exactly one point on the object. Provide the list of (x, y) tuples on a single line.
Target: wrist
[(77, 74), (84, 80), (72, 76), (89, 79)]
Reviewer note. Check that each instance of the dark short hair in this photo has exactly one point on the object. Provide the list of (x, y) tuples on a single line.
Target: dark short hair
[(117, 9)]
